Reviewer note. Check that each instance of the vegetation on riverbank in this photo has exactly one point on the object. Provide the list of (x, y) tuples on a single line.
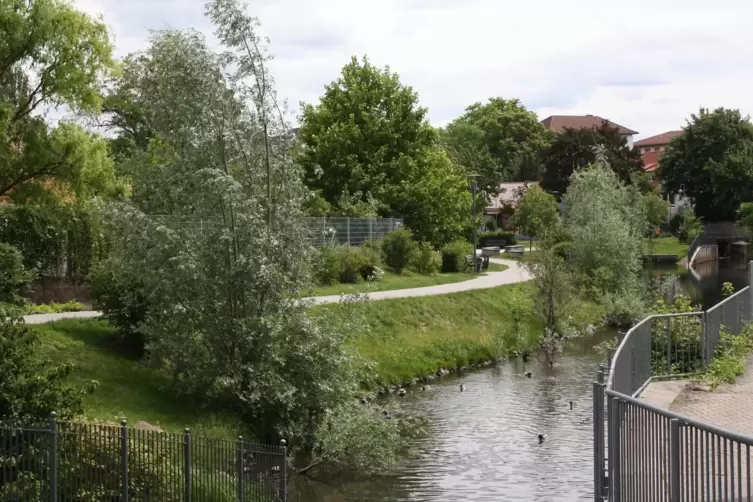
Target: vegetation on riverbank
[(730, 357), (667, 245)]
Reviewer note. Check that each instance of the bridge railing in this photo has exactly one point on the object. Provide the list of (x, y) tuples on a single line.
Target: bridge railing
[(642, 452)]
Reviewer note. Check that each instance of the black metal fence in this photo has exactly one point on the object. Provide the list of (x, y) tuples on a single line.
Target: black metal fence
[(87, 462), (643, 452)]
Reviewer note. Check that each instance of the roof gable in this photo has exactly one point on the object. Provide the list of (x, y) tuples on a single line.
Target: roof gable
[(659, 140), (558, 123)]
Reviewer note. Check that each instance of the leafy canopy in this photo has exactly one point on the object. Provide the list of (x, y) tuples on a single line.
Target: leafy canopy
[(712, 163), (577, 148), (500, 140), (51, 55), (536, 213)]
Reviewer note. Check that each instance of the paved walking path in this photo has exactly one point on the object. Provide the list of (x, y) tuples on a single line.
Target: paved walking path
[(729, 406), (515, 273)]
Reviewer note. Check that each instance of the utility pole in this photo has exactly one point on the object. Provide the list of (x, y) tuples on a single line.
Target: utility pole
[(473, 178)]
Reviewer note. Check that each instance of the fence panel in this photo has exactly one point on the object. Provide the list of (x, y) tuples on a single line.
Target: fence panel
[(91, 462), (349, 231)]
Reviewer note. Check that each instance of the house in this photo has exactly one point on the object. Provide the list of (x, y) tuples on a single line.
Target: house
[(502, 206), (558, 124), (656, 144)]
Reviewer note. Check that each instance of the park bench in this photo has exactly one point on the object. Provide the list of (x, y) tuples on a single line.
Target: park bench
[(484, 262), (515, 250)]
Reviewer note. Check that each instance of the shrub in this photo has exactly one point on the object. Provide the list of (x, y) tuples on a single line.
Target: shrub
[(372, 259), (122, 299), (398, 248), (491, 225), (508, 237), (13, 275), (327, 266), (426, 260), (352, 261), (453, 256), (55, 308)]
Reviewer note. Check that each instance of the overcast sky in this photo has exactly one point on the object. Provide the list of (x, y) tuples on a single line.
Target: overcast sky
[(645, 65)]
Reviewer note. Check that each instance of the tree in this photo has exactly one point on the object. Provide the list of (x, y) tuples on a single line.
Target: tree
[(51, 55), (536, 213), (606, 222), (32, 387), (500, 140), (364, 134), (655, 209), (712, 163), (576, 148), (745, 216), (366, 149)]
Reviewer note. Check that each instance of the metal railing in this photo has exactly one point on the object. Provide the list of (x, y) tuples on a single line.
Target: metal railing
[(643, 452), (88, 462)]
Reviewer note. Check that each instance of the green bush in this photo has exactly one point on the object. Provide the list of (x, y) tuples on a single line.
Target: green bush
[(426, 260), (491, 225), (453, 256), (508, 237), (13, 275), (345, 264), (54, 308), (122, 299), (398, 248), (352, 261), (372, 259), (327, 266)]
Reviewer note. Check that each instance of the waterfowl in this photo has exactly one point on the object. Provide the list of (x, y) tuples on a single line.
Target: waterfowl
[(528, 374), (462, 387), (402, 392), (542, 438), (425, 388), (571, 405)]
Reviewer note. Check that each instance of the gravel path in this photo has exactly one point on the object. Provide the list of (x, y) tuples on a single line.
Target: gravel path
[(515, 273)]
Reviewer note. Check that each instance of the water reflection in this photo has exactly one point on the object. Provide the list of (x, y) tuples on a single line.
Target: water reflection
[(482, 444)]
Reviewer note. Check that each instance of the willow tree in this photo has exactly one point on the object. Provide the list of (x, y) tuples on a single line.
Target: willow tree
[(213, 239)]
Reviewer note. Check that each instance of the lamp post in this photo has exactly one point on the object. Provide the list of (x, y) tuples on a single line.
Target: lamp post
[(472, 182)]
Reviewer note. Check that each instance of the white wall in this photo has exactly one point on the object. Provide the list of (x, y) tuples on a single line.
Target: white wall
[(629, 140)]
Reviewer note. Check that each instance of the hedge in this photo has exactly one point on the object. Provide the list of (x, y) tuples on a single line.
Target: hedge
[(508, 237)]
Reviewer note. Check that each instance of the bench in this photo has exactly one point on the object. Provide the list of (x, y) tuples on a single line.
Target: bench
[(515, 250), (496, 243), (484, 262)]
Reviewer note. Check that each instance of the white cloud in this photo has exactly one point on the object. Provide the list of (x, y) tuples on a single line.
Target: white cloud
[(646, 65)]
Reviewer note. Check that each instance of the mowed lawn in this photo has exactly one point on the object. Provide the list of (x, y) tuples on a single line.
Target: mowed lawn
[(392, 281), (667, 246), (127, 387)]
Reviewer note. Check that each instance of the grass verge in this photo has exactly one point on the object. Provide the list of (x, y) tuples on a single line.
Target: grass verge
[(730, 357), (667, 245), (127, 388), (392, 281)]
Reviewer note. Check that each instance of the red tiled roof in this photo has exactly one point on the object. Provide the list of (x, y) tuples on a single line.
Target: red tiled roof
[(658, 140), (509, 193), (650, 161), (558, 123)]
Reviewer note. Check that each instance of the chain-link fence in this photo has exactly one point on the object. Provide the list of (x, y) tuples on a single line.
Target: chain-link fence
[(91, 462), (350, 231)]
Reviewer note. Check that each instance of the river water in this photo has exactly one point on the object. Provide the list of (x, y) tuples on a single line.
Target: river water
[(482, 443)]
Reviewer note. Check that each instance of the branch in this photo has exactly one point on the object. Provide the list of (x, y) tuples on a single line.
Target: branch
[(311, 466)]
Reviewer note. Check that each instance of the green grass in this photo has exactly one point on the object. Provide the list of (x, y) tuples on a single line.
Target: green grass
[(413, 337), (127, 388), (667, 245), (392, 281)]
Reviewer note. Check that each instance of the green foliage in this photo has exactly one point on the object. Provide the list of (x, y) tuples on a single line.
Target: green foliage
[(399, 248), (655, 209), (31, 387), (366, 149), (62, 64), (54, 308), (507, 237), (425, 260), (712, 163), (453, 256), (727, 289), (501, 140), (685, 338), (576, 148), (490, 225), (688, 226), (327, 266), (730, 357), (120, 295), (13, 275), (745, 216), (536, 214), (606, 222), (345, 264)]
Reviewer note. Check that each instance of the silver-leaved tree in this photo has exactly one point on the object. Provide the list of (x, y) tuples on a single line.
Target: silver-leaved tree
[(212, 242)]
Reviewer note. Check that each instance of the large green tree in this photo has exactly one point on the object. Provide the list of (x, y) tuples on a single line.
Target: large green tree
[(51, 55), (536, 213), (712, 163), (367, 150), (500, 140), (576, 148)]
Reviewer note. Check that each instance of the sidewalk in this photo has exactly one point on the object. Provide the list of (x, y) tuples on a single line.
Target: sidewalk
[(515, 273)]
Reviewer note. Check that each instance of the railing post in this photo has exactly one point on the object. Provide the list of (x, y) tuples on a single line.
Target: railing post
[(750, 291), (282, 492), (53, 457), (598, 421), (614, 448), (348, 225), (241, 468), (674, 460), (124, 460), (669, 345), (187, 466), (705, 339)]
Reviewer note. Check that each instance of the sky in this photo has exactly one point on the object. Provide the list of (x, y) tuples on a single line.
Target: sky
[(646, 65)]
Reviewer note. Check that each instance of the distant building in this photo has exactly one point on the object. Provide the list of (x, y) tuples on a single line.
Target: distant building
[(502, 207), (656, 144), (558, 124)]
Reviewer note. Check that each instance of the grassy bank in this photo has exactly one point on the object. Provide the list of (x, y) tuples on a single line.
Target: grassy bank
[(407, 280), (667, 245), (127, 388)]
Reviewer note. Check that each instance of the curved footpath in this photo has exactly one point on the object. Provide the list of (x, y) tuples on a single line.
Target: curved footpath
[(515, 273)]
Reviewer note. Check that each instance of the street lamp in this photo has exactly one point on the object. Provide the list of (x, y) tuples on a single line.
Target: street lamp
[(472, 182)]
